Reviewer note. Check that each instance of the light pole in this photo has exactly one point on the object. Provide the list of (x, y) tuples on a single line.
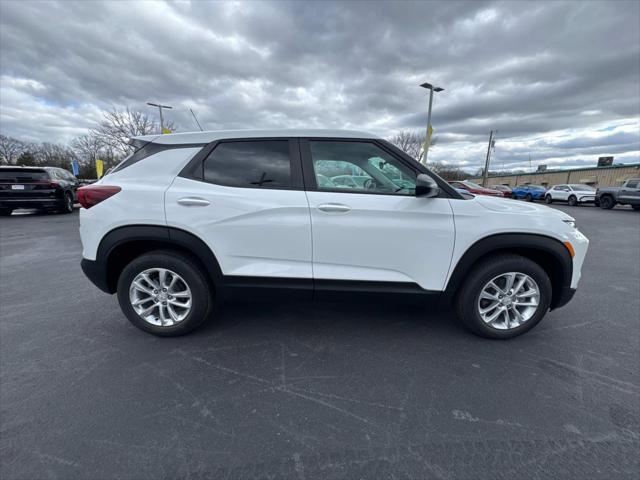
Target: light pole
[(160, 107), (428, 142)]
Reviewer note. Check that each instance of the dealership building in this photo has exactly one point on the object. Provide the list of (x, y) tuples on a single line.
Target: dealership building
[(608, 176)]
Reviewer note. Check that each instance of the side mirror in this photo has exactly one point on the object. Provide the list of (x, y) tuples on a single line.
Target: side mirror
[(426, 186)]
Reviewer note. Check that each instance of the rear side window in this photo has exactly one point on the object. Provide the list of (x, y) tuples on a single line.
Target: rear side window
[(252, 164), (19, 175)]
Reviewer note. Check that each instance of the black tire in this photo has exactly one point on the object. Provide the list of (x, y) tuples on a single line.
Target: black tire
[(67, 203), (573, 201), (192, 274), (607, 202), (468, 296), (548, 199), (636, 207), (529, 197), (5, 212), (514, 196)]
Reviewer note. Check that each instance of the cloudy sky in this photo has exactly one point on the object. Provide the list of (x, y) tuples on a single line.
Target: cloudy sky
[(560, 81)]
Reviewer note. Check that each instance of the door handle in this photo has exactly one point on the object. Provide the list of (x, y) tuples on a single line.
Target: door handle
[(193, 202), (334, 207)]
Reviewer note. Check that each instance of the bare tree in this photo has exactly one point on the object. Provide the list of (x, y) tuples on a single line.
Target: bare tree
[(119, 125), (11, 149), (87, 147), (448, 172), (53, 155), (410, 142)]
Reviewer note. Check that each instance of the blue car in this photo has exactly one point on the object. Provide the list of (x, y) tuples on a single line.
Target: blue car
[(529, 192)]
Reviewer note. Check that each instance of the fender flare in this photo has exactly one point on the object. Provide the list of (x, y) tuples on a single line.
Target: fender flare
[(170, 236), (552, 250)]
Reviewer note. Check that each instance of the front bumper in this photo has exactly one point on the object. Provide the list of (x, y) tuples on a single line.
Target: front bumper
[(565, 295)]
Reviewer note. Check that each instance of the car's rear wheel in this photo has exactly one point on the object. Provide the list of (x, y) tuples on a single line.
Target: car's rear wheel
[(165, 293), (514, 196), (67, 203), (529, 197), (548, 199), (504, 296), (635, 207), (573, 201), (5, 212), (606, 202)]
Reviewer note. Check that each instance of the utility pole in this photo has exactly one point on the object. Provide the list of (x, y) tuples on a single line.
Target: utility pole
[(160, 107), (427, 142), (196, 119), (486, 163)]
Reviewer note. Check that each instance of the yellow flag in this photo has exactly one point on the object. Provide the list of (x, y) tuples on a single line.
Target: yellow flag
[(427, 141), (166, 131), (99, 168)]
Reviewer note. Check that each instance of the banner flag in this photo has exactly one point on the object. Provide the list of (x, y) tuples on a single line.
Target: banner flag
[(75, 168), (99, 168)]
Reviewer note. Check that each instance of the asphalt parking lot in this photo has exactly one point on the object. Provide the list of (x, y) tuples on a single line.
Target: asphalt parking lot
[(332, 391)]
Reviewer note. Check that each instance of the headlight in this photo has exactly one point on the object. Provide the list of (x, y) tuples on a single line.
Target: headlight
[(571, 223)]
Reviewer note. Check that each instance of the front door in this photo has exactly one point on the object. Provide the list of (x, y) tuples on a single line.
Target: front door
[(373, 228)]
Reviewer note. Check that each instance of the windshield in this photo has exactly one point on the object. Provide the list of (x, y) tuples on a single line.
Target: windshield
[(582, 188)]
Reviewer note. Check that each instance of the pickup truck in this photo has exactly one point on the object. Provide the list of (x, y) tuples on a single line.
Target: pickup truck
[(627, 194)]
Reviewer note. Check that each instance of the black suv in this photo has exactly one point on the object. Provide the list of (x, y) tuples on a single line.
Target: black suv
[(47, 188)]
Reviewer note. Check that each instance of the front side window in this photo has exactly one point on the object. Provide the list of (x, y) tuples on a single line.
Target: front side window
[(360, 167), (251, 164), (633, 184)]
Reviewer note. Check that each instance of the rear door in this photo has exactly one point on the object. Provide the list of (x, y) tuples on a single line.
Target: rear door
[(377, 232), (245, 199), (561, 192)]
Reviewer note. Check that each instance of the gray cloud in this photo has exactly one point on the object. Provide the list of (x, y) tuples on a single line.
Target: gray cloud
[(546, 75)]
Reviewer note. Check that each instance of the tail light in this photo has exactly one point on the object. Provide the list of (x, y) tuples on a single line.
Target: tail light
[(94, 194)]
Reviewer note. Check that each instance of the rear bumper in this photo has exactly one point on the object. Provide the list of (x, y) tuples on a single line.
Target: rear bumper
[(97, 273), (30, 202)]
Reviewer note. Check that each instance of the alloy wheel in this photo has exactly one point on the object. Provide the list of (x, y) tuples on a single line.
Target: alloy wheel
[(160, 297), (508, 300)]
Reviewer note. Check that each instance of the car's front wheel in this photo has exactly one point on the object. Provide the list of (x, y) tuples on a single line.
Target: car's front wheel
[(529, 197), (5, 212), (548, 199), (165, 293), (504, 296), (573, 201)]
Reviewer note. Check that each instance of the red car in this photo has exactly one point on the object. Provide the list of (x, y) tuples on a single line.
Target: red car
[(506, 191), (476, 189)]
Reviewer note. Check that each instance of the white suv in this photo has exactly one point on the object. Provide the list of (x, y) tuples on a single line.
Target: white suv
[(192, 218)]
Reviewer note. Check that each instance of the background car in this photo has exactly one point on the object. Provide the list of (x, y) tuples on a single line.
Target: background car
[(573, 193), (528, 192), (627, 194), (475, 188), (47, 188), (506, 191)]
